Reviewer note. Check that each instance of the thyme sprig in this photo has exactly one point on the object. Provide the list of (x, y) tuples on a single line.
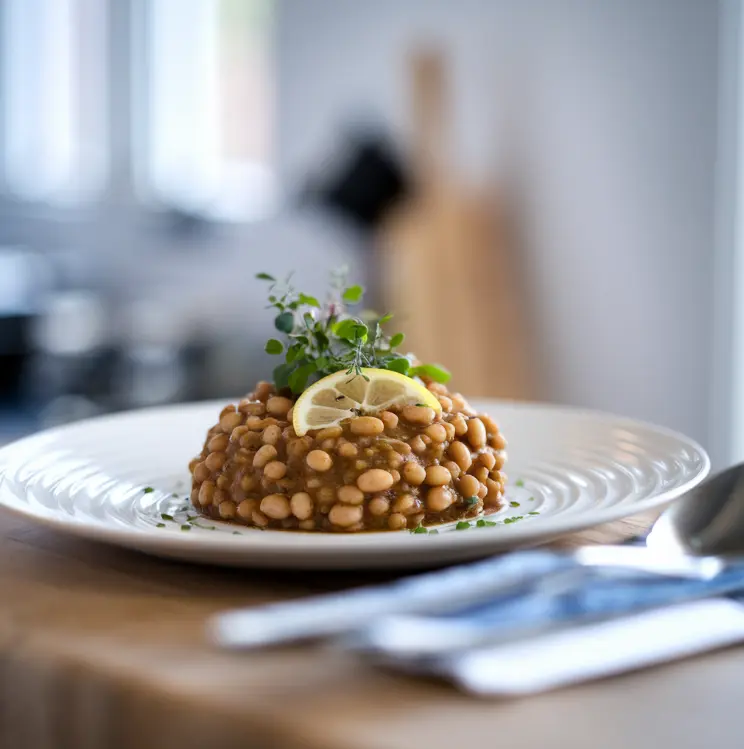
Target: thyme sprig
[(321, 338)]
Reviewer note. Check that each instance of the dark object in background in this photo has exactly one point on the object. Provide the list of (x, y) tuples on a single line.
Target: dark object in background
[(14, 353), (364, 183)]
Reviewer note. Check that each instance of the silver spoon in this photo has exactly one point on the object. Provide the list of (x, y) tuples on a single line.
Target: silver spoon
[(698, 523)]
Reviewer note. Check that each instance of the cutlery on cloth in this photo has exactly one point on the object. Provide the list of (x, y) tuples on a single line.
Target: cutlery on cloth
[(709, 519)]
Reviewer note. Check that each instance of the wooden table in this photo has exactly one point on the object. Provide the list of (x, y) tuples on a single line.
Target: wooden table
[(105, 648)]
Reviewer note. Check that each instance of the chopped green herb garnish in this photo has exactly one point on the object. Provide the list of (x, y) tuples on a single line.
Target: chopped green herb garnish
[(462, 526), (148, 490), (533, 512), (519, 482), (483, 523), (419, 529), (470, 501), (160, 525), (237, 533), (174, 495), (165, 516), (531, 499), (326, 338), (191, 518), (513, 519), (513, 504), (433, 532), (185, 527)]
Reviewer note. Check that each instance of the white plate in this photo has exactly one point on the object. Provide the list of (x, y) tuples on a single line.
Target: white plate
[(575, 468)]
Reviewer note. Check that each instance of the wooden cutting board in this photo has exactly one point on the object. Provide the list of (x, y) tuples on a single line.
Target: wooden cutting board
[(449, 265)]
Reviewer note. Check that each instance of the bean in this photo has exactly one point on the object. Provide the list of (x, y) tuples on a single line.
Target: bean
[(307, 525), (206, 492), (418, 445), (394, 460), (425, 439), (375, 480), (319, 460), (275, 470), (446, 403), (389, 419), (436, 432), (228, 409), (453, 468), (263, 391), (414, 473), (278, 405), (397, 522), (481, 473), (482, 491), (220, 495), (461, 425), (230, 420), (223, 481), (194, 496), (367, 426), (439, 499), (401, 447), (378, 506), (328, 444), (215, 461), (360, 465), (259, 519), (227, 509), (264, 455), (487, 459), (251, 408), (438, 476), (288, 433), (290, 414), (301, 505), (193, 463), (396, 475), (498, 442), (345, 515), (246, 508), (494, 492), (406, 504), (219, 442), (329, 433), (351, 495), (313, 483), (201, 472), (469, 486), (476, 433), (437, 388), (490, 425), (255, 423), (271, 435), (244, 457), (347, 450), (449, 430), (499, 464), (418, 414), (461, 455), (275, 506), (250, 439), (298, 447), (285, 483)]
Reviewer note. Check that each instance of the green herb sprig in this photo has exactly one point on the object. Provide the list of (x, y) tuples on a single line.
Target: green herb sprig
[(319, 339)]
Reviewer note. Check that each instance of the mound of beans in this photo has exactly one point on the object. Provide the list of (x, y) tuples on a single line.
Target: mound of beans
[(393, 470)]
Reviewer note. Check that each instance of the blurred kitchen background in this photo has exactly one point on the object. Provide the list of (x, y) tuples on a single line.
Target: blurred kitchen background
[(546, 191)]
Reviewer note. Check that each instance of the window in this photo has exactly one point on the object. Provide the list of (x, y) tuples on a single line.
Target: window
[(53, 77), (206, 106), (188, 86)]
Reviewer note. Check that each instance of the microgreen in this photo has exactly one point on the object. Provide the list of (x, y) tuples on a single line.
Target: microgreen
[(322, 338), (148, 490), (519, 482), (513, 504), (462, 526)]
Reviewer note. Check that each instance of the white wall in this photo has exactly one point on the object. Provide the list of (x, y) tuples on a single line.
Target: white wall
[(607, 112)]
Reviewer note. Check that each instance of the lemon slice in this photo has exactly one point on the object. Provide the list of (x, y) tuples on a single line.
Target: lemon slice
[(342, 396)]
